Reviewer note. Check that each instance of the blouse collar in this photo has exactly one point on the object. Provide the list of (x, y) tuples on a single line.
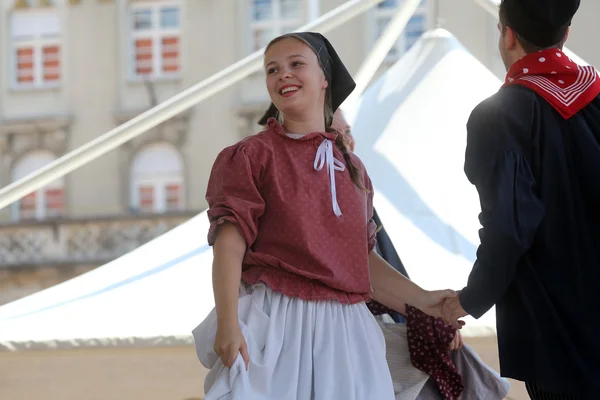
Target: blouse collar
[(276, 127)]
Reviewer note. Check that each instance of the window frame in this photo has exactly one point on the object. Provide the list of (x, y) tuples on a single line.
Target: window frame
[(41, 212), (37, 43), (156, 33), (400, 46), (40, 209), (276, 23), (156, 165), (159, 194)]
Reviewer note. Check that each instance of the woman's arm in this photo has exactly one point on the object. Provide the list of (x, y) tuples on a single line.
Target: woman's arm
[(395, 291), (390, 287), (228, 250)]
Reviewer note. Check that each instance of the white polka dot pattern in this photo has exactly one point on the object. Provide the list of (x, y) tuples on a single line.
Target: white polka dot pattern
[(568, 87), (429, 341)]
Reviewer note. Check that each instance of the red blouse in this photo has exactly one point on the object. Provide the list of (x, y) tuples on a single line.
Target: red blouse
[(269, 186)]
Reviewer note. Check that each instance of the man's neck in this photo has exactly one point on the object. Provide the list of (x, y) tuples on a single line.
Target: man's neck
[(518, 54)]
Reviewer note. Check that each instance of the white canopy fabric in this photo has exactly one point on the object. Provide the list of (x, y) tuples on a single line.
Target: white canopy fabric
[(154, 295), (410, 132)]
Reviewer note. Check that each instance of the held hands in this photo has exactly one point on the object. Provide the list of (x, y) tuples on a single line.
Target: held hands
[(433, 303), (230, 342), (452, 310)]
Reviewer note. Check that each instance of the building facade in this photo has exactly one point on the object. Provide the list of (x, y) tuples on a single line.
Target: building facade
[(75, 69)]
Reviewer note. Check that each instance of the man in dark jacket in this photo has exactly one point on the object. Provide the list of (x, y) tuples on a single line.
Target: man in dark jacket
[(533, 152)]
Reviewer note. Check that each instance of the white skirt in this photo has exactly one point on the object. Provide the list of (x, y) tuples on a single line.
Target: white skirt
[(299, 350)]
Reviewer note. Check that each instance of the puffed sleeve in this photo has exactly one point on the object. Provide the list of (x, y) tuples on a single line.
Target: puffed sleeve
[(233, 193), (511, 212)]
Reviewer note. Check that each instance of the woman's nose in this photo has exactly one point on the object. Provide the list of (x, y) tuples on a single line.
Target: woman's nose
[(285, 74)]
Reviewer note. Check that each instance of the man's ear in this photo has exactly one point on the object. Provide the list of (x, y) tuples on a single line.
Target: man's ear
[(510, 38)]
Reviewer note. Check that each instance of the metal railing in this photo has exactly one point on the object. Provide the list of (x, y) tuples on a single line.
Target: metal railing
[(382, 47)]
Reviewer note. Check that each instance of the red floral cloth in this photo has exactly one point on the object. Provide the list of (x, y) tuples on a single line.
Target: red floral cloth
[(429, 340), (567, 86), (378, 308)]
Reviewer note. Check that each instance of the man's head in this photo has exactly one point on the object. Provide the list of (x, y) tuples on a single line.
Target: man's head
[(341, 125), (527, 26)]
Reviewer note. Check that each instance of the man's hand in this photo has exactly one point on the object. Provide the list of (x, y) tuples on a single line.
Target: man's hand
[(432, 303), (452, 310)]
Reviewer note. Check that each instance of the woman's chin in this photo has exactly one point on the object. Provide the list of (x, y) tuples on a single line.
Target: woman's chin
[(290, 106)]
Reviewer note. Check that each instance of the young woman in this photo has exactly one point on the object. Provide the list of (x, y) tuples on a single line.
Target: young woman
[(293, 223)]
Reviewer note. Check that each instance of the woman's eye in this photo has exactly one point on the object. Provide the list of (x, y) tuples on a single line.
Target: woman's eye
[(271, 70), (296, 63)]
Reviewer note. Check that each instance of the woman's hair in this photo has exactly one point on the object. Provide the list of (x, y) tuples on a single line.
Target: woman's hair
[(328, 115)]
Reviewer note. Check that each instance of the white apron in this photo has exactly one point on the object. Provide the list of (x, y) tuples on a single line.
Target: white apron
[(299, 350)]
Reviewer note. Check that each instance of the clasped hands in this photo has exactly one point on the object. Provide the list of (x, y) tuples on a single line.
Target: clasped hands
[(452, 310), (445, 304)]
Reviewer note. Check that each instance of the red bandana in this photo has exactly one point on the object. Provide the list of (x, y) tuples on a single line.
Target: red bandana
[(568, 87)]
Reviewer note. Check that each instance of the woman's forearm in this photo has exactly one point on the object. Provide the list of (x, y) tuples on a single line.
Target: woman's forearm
[(391, 288), (389, 302), (229, 250)]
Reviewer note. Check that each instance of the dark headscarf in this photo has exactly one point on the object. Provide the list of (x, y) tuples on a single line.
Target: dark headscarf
[(542, 23), (340, 81)]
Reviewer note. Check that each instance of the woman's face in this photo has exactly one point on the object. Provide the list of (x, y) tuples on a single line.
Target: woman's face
[(295, 80)]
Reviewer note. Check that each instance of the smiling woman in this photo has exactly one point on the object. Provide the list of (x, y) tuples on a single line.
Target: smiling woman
[(295, 80), (293, 322), (313, 59)]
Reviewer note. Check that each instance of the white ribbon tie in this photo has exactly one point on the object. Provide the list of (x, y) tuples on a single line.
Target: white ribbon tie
[(325, 156)]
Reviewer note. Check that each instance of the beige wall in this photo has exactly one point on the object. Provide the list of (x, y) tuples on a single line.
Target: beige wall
[(585, 32), (92, 88), (98, 95)]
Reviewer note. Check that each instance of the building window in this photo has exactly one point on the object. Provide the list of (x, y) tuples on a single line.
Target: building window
[(416, 26), (271, 18), (20, 4), (155, 39), (157, 180), (48, 202), (35, 47)]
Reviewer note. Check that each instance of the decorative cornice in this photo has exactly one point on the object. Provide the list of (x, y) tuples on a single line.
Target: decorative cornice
[(50, 123)]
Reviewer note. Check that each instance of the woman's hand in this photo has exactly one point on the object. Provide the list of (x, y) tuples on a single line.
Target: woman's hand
[(431, 302), (457, 342), (230, 342)]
